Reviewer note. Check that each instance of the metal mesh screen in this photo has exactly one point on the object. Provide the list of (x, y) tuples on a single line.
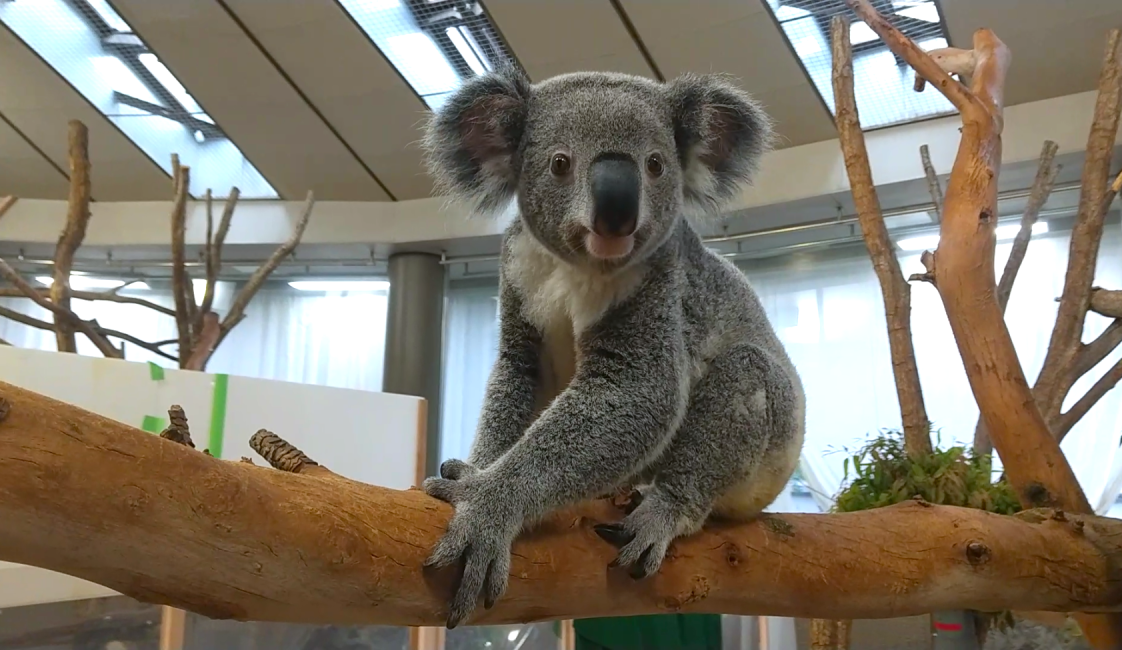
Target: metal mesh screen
[(434, 44), (883, 83), (90, 46)]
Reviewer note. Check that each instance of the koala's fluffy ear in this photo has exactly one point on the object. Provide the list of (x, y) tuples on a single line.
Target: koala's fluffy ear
[(471, 143), (721, 134)]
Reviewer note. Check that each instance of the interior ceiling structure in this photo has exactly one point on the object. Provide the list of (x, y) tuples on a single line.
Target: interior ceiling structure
[(278, 97)]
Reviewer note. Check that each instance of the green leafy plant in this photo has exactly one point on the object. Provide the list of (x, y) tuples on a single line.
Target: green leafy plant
[(880, 474)]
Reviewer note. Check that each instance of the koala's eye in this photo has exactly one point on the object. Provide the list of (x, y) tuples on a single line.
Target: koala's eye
[(654, 165), (560, 164)]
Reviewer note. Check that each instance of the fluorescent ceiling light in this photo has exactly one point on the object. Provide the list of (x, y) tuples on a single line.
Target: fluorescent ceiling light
[(87, 283), (340, 285), (1003, 233)]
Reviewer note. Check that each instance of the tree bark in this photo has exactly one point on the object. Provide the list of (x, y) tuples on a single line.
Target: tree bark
[(170, 525)]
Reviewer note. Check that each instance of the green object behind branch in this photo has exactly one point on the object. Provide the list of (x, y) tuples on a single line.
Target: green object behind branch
[(655, 632), (218, 415)]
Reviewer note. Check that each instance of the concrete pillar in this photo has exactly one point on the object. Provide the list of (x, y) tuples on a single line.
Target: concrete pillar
[(414, 336)]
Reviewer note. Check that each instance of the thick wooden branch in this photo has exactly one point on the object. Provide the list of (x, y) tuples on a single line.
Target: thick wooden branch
[(894, 287), (1056, 375), (77, 220), (1046, 172), (166, 524)]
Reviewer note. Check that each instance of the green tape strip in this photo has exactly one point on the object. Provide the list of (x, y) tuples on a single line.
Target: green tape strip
[(218, 415), (155, 371), (153, 424)]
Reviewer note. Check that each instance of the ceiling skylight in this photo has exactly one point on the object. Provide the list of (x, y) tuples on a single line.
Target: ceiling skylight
[(434, 44), (97, 52), (882, 82)]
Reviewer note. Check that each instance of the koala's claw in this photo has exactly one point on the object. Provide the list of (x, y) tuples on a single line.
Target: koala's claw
[(454, 469), (642, 538)]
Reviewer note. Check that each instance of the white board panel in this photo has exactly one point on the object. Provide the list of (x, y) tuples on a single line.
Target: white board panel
[(367, 436)]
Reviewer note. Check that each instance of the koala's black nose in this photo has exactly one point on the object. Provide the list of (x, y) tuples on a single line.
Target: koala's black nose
[(615, 195)]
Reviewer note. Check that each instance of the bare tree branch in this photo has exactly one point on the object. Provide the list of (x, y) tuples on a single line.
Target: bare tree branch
[(6, 203), (933, 185), (179, 279), (107, 296), (896, 291), (253, 285), (1100, 388), (82, 326), (77, 220), (1056, 377)]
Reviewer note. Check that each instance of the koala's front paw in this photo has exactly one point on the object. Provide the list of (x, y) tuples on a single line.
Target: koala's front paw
[(643, 536), (478, 536), (456, 469)]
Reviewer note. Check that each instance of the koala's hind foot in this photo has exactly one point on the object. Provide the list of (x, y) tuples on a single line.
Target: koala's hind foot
[(644, 535)]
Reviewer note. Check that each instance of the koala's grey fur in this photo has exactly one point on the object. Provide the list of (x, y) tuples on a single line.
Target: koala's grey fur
[(659, 367)]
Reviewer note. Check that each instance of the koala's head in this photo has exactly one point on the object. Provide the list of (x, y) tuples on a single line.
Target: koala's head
[(603, 165)]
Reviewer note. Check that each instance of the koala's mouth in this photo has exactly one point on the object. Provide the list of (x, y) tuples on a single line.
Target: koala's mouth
[(608, 247)]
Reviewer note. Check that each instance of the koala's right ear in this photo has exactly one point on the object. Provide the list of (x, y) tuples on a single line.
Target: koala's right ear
[(471, 143)]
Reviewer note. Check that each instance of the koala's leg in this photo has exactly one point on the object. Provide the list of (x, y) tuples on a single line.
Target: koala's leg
[(733, 453)]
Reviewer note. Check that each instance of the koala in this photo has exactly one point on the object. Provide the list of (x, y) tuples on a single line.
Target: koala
[(629, 353)]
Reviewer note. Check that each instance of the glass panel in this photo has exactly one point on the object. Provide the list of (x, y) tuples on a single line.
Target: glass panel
[(539, 636), (95, 50), (434, 44), (882, 83), (114, 623), (207, 634)]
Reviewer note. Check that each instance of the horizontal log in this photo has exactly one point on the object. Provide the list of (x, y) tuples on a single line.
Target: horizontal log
[(167, 524)]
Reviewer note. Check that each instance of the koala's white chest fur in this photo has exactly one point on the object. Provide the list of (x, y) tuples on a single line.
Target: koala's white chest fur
[(562, 301)]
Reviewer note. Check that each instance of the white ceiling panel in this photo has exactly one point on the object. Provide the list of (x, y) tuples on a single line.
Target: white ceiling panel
[(348, 80), (40, 103), (24, 172), (250, 99), (738, 38), (1057, 47), (552, 38)]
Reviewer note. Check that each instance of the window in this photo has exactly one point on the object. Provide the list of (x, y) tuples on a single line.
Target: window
[(434, 44), (883, 83), (98, 53)]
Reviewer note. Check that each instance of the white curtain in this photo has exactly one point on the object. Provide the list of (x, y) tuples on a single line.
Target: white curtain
[(333, 339)]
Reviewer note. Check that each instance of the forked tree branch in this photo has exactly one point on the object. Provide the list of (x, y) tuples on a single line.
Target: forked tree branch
[(1057, 374), (894, 287), (234, 540), (106, 296), (86, 328)]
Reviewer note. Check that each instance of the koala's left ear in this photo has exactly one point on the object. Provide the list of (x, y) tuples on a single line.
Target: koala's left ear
[(471, 144), (721, 134)]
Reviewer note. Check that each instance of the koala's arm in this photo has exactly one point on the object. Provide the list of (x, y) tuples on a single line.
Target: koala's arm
[(621, 407), (508, 403)]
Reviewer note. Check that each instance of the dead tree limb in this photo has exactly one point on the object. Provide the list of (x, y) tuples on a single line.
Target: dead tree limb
[(77, 220), (1056, 376), (964, 276), (894, 287), (173, 526), (86, 328), (933, 186), (106, 296), (179, 279), (6, 203)]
